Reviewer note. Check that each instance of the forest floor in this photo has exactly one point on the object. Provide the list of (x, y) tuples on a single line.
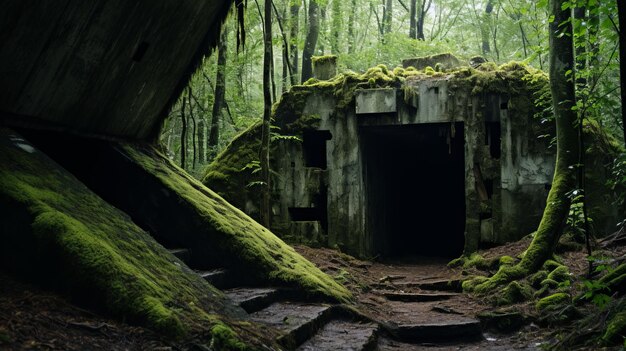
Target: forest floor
[(34, 319)]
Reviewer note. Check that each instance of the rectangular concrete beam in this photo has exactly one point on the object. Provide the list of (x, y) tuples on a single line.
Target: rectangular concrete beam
[(375, 101)]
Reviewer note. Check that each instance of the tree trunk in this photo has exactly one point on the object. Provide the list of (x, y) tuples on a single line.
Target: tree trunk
[(387, 16), (311, 40), (294, 10), (194, 155), (183, 135), (336, 27), (485, 27), (421, 17), (621, 11), (220, 90), (351, 37), (267, 109), (413, 19), (563, 99)]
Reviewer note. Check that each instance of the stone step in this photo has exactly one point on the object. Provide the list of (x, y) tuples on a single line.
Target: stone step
[(437, 285), (339, 335), (298, 321), (219, 277), (415, 297), (253, 299), (459, 329), (182, 254)]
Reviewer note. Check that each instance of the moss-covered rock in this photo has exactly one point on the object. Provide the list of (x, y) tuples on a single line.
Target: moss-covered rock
[(515, 292), (59, 234), (553, 301), (502, 321), (234, 237)]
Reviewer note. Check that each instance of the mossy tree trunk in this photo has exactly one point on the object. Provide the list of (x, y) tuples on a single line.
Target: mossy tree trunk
[(311, 40), (564, 181), (563, 99), (220, 90), (267, 111)]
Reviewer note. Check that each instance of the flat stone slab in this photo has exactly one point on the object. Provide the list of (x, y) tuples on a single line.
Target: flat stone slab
[(372, 101), (340, 335), (298, 321), (416, 297), (460, 329), (253, 299)]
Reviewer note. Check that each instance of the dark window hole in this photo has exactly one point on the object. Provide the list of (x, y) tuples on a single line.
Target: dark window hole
[(314, 147), (303, 214), (140, 51), (504, 105)]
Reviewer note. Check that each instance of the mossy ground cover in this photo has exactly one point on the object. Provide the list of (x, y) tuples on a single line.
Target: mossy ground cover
[(237, 237), (56, 231)]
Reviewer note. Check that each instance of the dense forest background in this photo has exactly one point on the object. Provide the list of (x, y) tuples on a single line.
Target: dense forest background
[(226, 95)]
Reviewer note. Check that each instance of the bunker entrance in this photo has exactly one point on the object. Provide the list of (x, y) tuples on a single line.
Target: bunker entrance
[(415, 188)]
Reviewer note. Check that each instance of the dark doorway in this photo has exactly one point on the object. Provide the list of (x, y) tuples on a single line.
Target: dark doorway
[(415, 183)]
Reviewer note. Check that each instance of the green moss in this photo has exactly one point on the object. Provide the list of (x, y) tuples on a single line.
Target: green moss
[(507, 261), (538, 277), (551, 265), (236, 234), (320, 60), (615, 329), (560, 274), (224, 338), (515, 292), (89, 248)]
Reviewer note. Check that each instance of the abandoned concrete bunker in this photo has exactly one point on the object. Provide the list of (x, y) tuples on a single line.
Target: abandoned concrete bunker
[(403, 162)]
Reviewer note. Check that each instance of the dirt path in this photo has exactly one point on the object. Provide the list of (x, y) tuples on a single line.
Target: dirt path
[(387, 292)]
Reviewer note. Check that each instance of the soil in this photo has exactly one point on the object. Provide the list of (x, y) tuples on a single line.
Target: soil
[(33, 319)]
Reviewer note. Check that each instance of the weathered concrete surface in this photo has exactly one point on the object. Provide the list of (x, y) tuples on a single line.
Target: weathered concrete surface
[(100, 67), (375, 101), (298, 321), (343, 336)]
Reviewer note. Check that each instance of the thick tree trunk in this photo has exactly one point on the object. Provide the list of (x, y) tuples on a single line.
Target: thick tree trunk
[(563, 99), (336, 27), (267, 109), (220, 90), (294, 10), (621, 10), (485, 27), (387, 16), (421, 17), (413, 19), (311, 40), (351, 37)]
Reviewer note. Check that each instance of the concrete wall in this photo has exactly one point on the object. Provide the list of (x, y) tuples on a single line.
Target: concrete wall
[(520, 170)]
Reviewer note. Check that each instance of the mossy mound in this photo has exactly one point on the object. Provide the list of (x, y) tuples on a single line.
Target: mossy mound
[(232, 171), (59, 234), (234, 236), (553, 301)]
